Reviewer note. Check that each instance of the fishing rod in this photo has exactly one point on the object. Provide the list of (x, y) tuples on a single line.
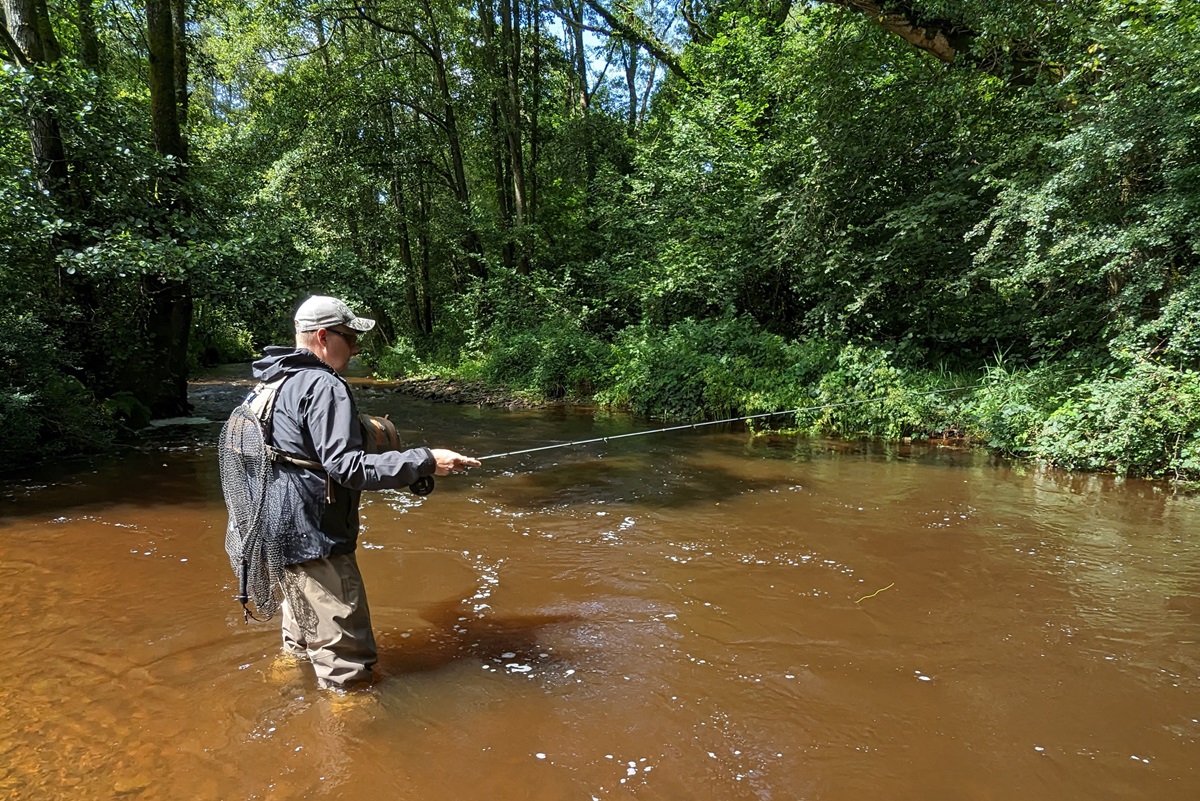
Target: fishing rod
[(686, 426)]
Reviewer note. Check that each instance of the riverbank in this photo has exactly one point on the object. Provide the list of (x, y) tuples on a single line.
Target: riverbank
[(475, 393), (1135, 417), (214, 392), (1141, 422)]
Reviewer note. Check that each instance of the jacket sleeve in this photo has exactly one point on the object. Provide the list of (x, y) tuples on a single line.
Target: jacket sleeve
[(332, 421)]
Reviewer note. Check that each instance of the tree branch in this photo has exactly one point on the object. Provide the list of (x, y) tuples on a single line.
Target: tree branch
[(422, 111), (411, 33), (600, 76), (642, 36), (940, 38), (580, 25), (698, 33), (11, 44), (950, 41)]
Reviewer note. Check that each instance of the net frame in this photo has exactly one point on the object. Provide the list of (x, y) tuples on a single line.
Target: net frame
[(262, 502), (255, 554)]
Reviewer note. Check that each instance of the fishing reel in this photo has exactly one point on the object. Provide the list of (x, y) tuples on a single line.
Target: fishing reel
[(380, 436)]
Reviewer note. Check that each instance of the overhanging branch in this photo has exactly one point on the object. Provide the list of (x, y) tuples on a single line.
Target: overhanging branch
[(640, 34), (940, 38), (410, 32)]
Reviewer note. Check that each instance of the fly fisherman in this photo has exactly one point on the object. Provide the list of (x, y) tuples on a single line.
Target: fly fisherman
[(313, 510)]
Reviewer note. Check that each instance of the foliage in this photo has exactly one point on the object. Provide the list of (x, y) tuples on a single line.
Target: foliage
[(1145, 421), (399, 360), (219, 337), (1010, 405), (807, 211), (702, 368), (44, 410), (554, 360), (1094, 218), (867, 394)]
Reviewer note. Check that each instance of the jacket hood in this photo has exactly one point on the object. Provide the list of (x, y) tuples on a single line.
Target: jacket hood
[(277, 361)]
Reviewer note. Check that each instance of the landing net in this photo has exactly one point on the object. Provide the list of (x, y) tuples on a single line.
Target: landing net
[(261, 501)]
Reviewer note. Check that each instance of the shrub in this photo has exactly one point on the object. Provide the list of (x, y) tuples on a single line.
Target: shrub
[(44, 411), (397, 360), (870, 392), (554, 360), (1145, 422), (710, 368), (219, 336), (1010, 406)]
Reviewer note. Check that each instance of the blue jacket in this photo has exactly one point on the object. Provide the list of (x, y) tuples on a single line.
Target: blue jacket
[(316, 419)]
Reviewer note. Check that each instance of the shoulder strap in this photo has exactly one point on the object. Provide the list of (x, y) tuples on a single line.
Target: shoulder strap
[(261, 402)]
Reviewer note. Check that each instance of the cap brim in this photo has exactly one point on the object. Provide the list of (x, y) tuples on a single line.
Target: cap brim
[(361, 323)]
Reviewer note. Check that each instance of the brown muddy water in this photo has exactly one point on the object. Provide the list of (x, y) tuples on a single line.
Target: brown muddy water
[(699, 615)]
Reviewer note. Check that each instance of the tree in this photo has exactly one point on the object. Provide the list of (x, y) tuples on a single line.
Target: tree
[(31, 45)]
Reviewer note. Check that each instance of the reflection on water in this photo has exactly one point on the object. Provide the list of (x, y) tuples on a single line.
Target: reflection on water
[(689, 615)]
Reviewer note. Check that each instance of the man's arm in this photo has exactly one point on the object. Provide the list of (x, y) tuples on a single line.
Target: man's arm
[(332, 422)]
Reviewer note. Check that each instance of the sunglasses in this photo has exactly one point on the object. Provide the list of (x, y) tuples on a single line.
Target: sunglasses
[(351, 339)]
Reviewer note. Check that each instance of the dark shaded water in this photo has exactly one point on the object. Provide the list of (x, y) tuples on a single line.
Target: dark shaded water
[(693, 615)]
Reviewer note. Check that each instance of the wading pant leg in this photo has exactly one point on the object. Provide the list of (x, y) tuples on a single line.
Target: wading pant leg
[(294, 640), (341, 645)]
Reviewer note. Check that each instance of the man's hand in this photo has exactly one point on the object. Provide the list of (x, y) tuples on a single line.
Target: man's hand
[(450, 462)]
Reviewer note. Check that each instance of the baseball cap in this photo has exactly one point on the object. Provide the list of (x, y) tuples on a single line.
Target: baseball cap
[(322, 311)]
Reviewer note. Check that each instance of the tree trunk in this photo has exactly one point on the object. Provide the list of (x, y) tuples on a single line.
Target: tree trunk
[(581, 70), (424, 201), (89, 43), (647, 92), (585, 95), (503, 203), (470, 239), (629, 55), (164, 105), (163, 384), (180, 65), (535, 11), (31, 37), (499, 141), (510, 24), (410, 285), (406, 257), (400, 203)]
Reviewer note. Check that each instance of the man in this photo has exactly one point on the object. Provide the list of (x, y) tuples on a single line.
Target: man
[(325, 614)]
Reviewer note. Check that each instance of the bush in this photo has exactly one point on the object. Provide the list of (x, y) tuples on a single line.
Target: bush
[(1145, 422), (870, 392), (1010, 406), (219, 336), (44, 411), (398, 360), (709, 368), (555, 360)]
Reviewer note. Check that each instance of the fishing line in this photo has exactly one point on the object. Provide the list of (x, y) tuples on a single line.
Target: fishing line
[(742, 418), (872, 595)]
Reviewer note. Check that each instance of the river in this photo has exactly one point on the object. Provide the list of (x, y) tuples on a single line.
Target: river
[(695, 615)]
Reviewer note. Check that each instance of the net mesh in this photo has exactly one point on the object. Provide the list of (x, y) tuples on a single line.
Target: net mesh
[(262, 503)]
